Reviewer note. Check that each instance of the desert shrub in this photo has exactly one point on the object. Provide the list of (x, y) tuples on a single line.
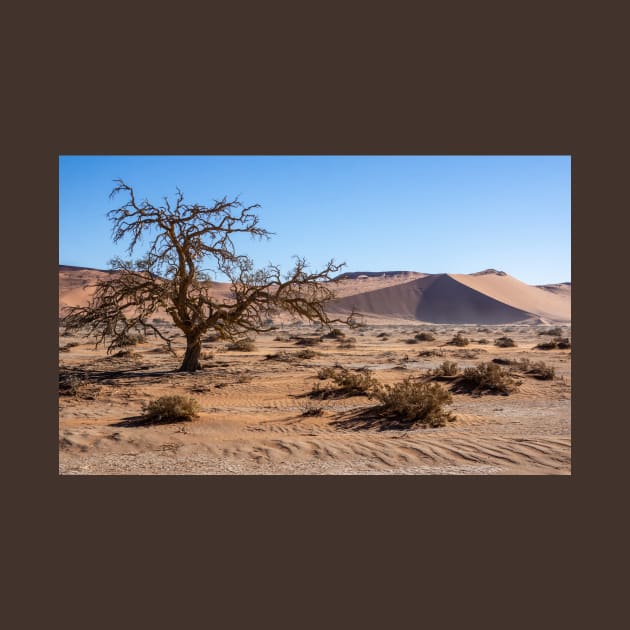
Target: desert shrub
[(425, 336), (458, 340), (279, 356), (382, 335), (348, 344), (483, 330), (505, 342), (309, 409), (306, 354), (430, 353), (242, 345), (307, 341), (447, 368), (489, 377), (125, 354), (552, 332), (501, 361), (132, 340), (335, 333), (546, 345), (562, 343), (541, 371), (170, 409), (483, 341), (327, 372), (411, 341), (349, 383), (415, 402), (211, 338)]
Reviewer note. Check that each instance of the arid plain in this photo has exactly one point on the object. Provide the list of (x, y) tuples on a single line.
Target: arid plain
[(259, 415)]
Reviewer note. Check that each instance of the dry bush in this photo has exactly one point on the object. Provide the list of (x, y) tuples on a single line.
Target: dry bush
[(415, 402), (458, 340), (447, 368), (279, 356), (307, 353), (131, 340), (561, 343), (383, 335), (242, 345), (348, 344), (552, 332), (308, 341), (483, 341), (125, 354), (411, 341), (425, 336), (335, 333), (430, 353), (170, 409), (212, 337), (347, 383), (541, 371), (505, 342), (489, 377), (309, 409)]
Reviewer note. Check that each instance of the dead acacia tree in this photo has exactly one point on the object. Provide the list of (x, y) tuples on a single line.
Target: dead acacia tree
[(170, 277)]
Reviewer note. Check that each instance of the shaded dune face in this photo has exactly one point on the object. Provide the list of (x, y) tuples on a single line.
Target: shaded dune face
[(437, 298)]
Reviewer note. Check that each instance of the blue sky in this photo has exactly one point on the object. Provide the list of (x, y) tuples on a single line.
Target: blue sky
[(435, 214)]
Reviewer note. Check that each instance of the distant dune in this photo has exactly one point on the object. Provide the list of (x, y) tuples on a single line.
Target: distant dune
[(486, 297)]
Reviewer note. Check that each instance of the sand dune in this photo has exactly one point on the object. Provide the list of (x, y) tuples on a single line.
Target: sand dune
[(485, 298)]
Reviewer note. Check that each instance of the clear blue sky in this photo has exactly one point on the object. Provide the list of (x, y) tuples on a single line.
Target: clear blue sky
[(435, 214)]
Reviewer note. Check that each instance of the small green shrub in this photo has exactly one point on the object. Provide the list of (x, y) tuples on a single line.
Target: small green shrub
[(505, 342)]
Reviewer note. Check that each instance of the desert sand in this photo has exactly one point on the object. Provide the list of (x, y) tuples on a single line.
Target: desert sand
[(255, 409)]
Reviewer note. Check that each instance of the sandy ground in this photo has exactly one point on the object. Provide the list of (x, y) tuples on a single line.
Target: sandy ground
[(252, 407)]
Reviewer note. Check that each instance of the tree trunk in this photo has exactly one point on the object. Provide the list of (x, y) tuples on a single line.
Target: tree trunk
[(193, 352)]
